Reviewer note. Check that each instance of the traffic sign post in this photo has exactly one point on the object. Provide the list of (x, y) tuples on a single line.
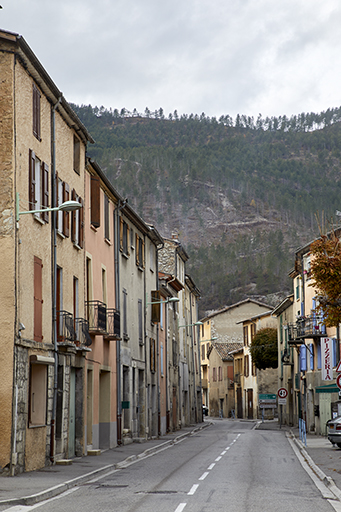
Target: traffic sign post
[(282, 400), (338, 381)]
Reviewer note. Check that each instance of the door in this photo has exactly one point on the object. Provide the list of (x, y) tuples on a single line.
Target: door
[(72, 414), (174, 407), (325, 411), (250, 404), (239, 403)]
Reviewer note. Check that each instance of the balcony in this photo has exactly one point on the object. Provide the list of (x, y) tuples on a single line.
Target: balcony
[(97, 317), (65, 327), (204, 383), (306, 327), (113, 328), (82, 332)]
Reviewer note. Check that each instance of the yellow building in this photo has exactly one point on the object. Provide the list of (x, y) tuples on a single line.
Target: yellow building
[(42, 347)]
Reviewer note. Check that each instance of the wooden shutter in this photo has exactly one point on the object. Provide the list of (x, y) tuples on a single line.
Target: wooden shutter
[(45, 190), (155, 307), (121, 234), (128, 240), (66, 196), (95, 202), (81, 224), (137, 249), (73, 217), (36, 112), (32, 180), (139, 308), (38, 299), (142, 256), (106, 218)]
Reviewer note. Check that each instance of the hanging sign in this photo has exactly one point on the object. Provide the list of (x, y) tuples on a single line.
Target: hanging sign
[(326, 356)]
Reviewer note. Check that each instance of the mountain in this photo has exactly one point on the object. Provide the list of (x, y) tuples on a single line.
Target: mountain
[(242, 194)]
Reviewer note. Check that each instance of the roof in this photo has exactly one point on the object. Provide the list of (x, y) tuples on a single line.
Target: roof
[(282, 306), (192, 286), (16, 44), (266, 313), (237, 304), (225, 349), (170, 280)]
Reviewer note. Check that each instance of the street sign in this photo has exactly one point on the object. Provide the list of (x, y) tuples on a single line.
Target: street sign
[(267, 405), (282, 393), (282, 401), (338, 369), (338, 381), (266, 396)]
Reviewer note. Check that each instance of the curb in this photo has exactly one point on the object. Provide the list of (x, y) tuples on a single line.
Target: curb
[(327, 480), (65, 486)]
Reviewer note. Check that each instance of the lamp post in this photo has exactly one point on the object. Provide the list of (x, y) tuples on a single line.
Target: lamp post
[(67, 206)]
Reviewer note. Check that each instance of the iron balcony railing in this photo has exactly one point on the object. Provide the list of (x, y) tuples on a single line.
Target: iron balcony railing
[(65, 327), (306, 327), (97, 316), (113, 328), (82, 332)]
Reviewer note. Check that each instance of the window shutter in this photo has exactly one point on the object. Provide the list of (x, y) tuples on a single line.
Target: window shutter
[(32, 180), (36, 112), (95, 201), (73, 217), (155, 307), (66, 195), (128, 240), (56, 191), (45, 188), (38, 299), (121, 234), (139, 307), (106, 217), (142, 256), (81, 224), (137, 249)]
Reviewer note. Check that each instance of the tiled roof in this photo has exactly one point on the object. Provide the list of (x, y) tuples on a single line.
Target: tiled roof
[(224, 349)]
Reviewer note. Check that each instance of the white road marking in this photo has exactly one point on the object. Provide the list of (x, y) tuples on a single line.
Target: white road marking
[(203, 476), (227, 448), (335, 504), (223, 453), (193, 489), (180, 507), (211, 466), (218, 458), (27, 508)]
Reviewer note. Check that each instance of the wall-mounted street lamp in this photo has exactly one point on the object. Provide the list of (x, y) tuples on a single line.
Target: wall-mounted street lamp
[(171, 299), (191, 325), (67, 206), (214, 338)]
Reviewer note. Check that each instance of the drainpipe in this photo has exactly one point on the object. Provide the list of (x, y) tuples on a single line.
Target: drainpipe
[(119, 207), (54, 275), (158, 351)]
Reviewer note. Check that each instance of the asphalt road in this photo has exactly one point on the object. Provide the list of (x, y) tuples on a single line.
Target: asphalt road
[(226, 467)]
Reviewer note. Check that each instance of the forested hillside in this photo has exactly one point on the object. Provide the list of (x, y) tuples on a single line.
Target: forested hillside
[(242, 194)]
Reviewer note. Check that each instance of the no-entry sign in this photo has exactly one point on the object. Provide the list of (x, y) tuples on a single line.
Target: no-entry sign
[(338, 381), (282, 393)]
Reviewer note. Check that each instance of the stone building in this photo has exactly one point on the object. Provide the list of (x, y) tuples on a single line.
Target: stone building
[(42, 160)]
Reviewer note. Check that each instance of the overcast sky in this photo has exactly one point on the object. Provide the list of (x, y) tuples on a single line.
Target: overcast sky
[(271, 57)]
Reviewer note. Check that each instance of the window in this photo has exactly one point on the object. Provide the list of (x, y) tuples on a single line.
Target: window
[(76, 154), (220, 373), (75, 301), (38, 194), (140, 325), (303, 358), (311, 355), (246, 366), (161, 359), (202, 352), (245, 334), (152, 355), (319, 359), (106, 218), (37, 395), (66, 215), (162, 306), (214, 374), (104, 285), (59, 202), (124, 237), (253, 331), (38, 299), (36, 112), (95, 201), (152, 257), (140, 262), (77, 222), (297, 289), (125, 323)]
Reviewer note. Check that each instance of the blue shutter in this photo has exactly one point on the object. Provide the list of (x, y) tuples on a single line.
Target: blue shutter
[(303, 358), (319, 362), (334, 352), (311, 346)]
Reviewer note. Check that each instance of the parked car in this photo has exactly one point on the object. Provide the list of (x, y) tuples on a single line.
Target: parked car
[(334, 431)]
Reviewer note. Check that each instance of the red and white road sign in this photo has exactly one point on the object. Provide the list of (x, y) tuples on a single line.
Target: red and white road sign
[(338, 381), (338, 369), (282, 393)]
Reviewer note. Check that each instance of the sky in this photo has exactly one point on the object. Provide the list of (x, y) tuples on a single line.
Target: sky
[(269, 57)]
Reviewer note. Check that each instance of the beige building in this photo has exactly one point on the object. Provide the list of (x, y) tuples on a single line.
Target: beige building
[(42, 351), (222, 403)]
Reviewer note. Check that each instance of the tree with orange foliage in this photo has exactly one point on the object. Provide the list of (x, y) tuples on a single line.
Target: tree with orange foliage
[(326, 275)]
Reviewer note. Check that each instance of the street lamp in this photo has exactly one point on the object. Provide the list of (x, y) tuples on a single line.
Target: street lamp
[(190, 325), (171, 299), (67, 206)]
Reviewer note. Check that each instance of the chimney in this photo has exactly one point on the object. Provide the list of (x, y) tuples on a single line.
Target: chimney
[(174, 236)]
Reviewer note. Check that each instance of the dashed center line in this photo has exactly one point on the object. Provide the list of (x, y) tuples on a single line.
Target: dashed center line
[(193, 489), (180, 507), (218, 458), (211, 466), (223, 453), (203, 476)]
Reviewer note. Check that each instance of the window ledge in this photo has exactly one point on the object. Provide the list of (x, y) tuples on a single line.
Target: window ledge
[(93, 228), (107, 241), (76, 246), (38, 219)]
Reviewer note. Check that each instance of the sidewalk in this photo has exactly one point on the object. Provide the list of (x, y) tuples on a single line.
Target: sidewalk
[(36, 486), (322, 457)]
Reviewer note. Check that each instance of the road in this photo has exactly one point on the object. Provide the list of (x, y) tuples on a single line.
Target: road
[(228, 466)]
